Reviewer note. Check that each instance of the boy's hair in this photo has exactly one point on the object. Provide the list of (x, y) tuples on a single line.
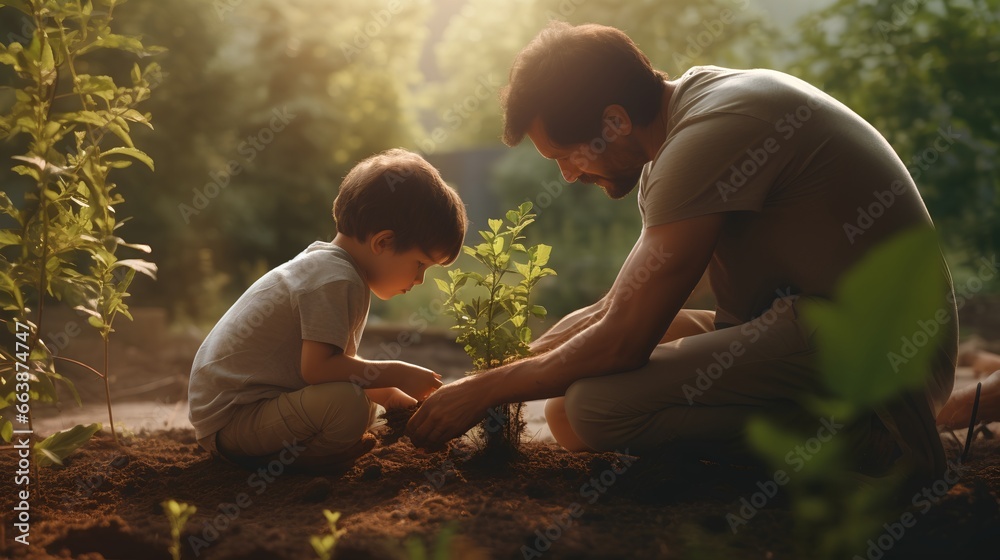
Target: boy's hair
[(398, 190), (568, 75)]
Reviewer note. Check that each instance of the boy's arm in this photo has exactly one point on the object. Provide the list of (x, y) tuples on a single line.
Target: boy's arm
[(390, 397), (326, 363)]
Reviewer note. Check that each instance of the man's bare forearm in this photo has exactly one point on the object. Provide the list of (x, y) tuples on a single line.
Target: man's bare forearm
[(569, 326), (550, 374)]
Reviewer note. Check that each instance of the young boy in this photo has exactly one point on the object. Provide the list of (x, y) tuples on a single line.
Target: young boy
[(279, 375)]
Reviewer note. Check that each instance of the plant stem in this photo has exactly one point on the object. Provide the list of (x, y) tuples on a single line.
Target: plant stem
[(107, 389), (81, 364)]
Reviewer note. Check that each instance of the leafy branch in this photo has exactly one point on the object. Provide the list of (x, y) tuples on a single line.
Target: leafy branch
[(65, 244)]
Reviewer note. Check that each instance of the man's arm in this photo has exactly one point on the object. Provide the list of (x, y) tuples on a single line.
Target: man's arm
[(569, 326), (656, 279), (572, 324)]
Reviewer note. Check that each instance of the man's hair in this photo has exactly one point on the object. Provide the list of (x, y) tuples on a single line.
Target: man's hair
[(398, 190), (567, 75)]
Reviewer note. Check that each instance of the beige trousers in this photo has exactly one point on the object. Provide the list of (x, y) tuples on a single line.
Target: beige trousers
[(324, 419), (703, 388)]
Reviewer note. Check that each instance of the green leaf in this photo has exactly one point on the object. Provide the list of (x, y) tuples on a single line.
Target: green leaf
[(121, 42), (53, 449), (523, 269), (6, 430), (9, 237), (873, 337), (99, 86), (47, 63), (540, 254), (132, 152), (139, 265), (498, 245), (773, 442), (495, 224), (442, 285), (525, 207), (513, 216)]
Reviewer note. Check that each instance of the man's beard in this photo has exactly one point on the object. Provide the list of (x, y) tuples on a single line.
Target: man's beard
[(615, 187)]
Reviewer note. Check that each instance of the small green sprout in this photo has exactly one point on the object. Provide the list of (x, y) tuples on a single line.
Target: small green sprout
[(177, 514), (325, 544)]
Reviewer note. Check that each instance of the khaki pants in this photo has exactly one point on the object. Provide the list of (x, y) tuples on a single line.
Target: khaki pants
[(702, 390), (325, 419)]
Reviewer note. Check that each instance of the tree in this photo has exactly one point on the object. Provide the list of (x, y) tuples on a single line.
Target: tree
[(925, 75), (265, 106)]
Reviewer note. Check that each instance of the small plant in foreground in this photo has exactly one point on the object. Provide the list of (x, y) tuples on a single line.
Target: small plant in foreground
[(324, 545), (177, 514), (879, 302), (493, 325)]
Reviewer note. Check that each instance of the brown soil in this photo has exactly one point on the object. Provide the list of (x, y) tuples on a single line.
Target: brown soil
[(105, 503)]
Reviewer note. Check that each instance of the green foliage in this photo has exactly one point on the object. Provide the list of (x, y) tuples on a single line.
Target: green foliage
[(53, 449), (63, 240), (899, 284), (324, 545), (177, 515), (481, 41), (415, 549), (346, 92), (941, 112), (493, 326)]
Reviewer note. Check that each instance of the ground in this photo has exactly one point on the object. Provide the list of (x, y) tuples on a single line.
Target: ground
[(105, 501)]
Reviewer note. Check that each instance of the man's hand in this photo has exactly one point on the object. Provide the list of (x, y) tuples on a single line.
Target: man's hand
[(449, 413)]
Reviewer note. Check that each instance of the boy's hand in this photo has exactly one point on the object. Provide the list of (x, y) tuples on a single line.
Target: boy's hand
[(390, 397), (415, 381)]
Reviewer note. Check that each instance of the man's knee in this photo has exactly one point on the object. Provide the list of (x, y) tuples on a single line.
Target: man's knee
[(588, 413)]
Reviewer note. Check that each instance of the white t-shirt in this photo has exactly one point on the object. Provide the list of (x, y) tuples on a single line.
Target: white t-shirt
[(255, 350)]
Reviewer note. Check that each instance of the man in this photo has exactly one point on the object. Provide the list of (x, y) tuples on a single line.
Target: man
[(757, 177)]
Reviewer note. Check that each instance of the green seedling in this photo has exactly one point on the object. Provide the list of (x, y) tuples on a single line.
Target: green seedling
[(177, 515), (493, 325), (324, 545)]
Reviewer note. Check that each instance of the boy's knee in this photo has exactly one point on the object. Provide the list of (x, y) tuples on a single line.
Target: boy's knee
[(338, 411)]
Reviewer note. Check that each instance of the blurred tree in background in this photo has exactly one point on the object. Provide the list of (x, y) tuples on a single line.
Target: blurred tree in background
[(483, 38), (265, 105), (925, 74)]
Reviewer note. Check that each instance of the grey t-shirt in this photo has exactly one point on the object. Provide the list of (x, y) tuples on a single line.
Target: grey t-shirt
[(808, 186), (255, 350)]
